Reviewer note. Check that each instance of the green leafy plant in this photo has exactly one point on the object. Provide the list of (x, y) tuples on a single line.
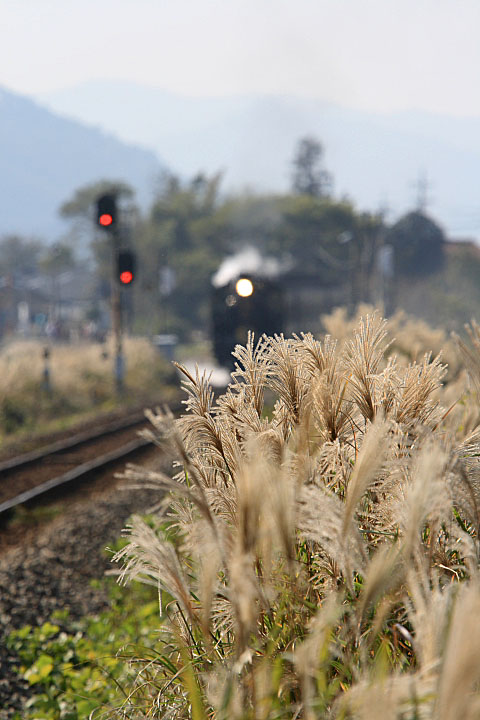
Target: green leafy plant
[(75, 668)]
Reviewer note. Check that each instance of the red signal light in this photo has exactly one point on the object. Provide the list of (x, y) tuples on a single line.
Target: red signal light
[(125, 267), (105, 220), (126, 277)]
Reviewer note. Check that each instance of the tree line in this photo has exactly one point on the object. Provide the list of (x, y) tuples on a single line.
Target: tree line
[(192, 225)]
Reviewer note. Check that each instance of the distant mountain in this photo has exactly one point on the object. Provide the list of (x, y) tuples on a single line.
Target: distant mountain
[(44, 158), (375, 159)]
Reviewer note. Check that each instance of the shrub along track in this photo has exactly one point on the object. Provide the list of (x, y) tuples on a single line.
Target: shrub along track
[(47, 565)]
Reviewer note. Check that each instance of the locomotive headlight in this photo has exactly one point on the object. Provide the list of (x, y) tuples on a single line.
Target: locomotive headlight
[(244, 287)]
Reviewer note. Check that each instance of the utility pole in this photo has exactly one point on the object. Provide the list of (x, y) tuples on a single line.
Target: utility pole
[(422, 187), (384, 271)]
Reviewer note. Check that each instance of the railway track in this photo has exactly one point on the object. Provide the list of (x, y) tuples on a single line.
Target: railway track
[(34, 475)]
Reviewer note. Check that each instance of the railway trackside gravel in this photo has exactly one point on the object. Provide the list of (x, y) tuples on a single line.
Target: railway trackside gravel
[(53, 569)]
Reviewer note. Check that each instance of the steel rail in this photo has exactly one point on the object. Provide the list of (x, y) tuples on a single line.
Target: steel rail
[(74, 441), (78, 472)]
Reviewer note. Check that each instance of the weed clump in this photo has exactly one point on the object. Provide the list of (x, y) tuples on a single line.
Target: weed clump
[(36, 397), (321, 560)]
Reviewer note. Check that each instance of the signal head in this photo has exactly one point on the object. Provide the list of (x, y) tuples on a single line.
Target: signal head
[(126, 267), (106, 211)]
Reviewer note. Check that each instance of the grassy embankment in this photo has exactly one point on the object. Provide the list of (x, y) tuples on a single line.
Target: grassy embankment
[(81, 384)]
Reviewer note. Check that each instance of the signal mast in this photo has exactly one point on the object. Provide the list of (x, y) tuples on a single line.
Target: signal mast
[(123, 274)]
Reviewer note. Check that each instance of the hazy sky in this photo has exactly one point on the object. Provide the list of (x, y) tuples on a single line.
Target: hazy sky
[(369, 54)]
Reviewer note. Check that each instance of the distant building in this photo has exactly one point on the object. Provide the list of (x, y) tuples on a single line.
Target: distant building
[(30, 305)]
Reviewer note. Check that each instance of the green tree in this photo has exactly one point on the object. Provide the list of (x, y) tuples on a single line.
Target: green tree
[(310, 232), (80, 209), (181, 236), (19, 255), (81, 204), (309, 176), (419, 245), (56, 259)]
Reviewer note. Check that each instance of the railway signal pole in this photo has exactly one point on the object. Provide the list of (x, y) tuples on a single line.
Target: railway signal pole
[(106, 219), (117, 320)]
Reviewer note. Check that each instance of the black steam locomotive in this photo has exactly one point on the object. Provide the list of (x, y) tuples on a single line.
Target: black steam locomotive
[(247, 301)]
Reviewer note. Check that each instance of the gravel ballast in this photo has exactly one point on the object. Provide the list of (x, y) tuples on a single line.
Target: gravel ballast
[(53, 567)]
